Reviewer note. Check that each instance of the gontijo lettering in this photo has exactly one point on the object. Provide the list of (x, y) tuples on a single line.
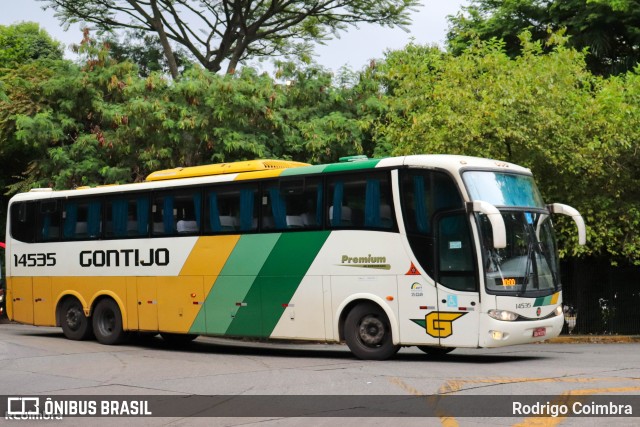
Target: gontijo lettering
[(125, 258)]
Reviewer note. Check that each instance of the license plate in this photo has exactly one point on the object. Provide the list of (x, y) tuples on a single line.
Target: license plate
[(539, 332)]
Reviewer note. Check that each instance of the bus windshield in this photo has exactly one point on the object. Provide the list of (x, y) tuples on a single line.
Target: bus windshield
[(528, 265), (503, 189)]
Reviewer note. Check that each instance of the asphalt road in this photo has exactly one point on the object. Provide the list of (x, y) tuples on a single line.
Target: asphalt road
[(39, 361)]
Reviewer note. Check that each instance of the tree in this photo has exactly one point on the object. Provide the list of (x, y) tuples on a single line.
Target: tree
[(102, 123), (577, 132), (233, 30), (24, 42), (144, 50), (610, 29)]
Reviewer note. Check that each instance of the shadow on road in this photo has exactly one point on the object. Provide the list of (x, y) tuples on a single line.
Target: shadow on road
[(286, 349)]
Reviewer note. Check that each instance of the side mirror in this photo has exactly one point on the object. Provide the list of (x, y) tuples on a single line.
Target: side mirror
[(495, 218), (559, 208)]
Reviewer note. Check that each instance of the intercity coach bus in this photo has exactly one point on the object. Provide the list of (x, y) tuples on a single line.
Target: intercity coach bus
[(433, 251)]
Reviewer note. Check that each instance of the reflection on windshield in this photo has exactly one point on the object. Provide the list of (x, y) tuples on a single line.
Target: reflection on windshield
[(503, 189), (528, 265)]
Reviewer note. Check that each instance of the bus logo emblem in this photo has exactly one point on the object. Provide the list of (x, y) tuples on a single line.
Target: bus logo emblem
[(439, 324)]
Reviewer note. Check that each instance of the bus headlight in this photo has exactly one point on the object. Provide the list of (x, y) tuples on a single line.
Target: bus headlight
[(558, 311), (503, 315)]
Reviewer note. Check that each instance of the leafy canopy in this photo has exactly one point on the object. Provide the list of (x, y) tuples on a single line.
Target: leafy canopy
[(609, 29), (577, 132)]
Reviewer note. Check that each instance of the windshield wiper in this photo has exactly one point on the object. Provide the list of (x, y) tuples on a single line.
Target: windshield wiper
[(531, 268), (525, 281)]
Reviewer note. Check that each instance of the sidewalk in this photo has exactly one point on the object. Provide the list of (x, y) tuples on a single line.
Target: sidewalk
[(594, 339)]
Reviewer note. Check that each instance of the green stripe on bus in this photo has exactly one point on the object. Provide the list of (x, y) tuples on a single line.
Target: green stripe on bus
[(543, 301), (334, 167), (278, 280), (350, 166), (303, 170), (234, 282)]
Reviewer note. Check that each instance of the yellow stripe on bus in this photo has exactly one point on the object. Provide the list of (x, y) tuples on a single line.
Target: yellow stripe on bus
[(209, 255)]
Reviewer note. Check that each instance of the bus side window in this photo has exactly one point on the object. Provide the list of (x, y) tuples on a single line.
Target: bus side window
[(82, 219), (231, 209), (127, 217), (360, 201), (23, 220), (177, 213), (49, 226), (425, 193), (292, 204)]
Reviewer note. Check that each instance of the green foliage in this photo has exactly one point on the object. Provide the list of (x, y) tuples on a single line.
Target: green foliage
[(576, 131), (24, 42), (608, 29), (102, 123)]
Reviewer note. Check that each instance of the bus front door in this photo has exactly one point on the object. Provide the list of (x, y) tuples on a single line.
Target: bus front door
[(456, 321)]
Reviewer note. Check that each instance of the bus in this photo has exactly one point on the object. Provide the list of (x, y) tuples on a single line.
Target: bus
[(433, 251)]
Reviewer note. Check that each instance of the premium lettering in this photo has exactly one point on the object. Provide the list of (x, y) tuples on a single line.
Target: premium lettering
[(125, 258), (363, 259)]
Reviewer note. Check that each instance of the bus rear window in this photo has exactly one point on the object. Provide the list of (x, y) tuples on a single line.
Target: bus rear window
[(23, 220)]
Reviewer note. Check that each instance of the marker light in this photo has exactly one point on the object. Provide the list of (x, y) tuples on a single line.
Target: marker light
[(496, 335), (503, 315)]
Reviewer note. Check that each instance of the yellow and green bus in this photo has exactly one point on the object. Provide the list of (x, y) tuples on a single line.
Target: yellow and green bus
[(434, 251)]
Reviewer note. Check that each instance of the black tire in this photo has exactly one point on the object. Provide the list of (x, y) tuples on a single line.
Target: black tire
[(107, 322), (75, 325), (368, 333), (436, 351), (178, 339)]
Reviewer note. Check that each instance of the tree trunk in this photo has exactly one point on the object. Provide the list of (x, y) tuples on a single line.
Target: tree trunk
[(164, 41)]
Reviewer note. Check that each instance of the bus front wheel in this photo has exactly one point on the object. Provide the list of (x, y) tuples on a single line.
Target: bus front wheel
[(107, 322), (367, 332), (75, 325)]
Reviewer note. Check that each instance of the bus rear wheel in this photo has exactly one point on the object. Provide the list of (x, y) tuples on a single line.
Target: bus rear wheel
[(107, 322), (75, 325), (367, 332)]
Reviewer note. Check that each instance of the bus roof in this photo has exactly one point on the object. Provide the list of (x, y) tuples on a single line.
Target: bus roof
[(263, 169), (223, 168)]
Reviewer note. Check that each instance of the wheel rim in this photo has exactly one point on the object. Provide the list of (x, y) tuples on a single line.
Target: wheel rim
[(371, 331), (74, 318), (107, 322)]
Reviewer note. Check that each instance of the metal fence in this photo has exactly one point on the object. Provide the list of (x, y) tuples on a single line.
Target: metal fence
[(600, 298)]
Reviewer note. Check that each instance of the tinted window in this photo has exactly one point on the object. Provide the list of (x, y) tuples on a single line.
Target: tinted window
[(292, 204), (231, 209), (82, 219), (424, 194), (176, 213), (358, 201), (23, 220), (127, 216)]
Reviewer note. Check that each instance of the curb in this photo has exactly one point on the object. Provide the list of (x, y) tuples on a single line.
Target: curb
[(594, 339)]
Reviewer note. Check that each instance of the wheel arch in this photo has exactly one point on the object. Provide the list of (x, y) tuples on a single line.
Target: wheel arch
[(64, 298), (348, 304)]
